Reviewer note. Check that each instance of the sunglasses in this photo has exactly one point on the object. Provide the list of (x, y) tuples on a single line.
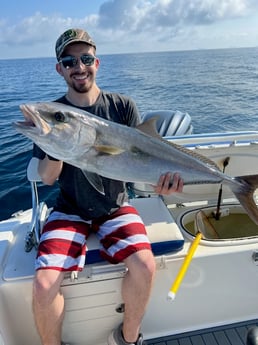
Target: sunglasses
[(70, 61)]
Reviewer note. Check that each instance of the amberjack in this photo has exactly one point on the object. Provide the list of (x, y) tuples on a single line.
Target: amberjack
[(102, 148)]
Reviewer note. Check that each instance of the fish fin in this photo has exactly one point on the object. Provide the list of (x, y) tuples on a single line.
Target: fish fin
[(107, 149), (245, 194), (196, 155), (95, 180), (149, 127)]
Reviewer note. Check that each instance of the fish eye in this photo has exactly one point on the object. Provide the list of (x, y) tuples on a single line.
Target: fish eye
[(60, 117)]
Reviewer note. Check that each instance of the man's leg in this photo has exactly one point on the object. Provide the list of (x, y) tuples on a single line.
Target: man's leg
[(48, 305), (136, 289)]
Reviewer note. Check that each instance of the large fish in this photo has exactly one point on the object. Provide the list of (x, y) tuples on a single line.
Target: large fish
[(104, 148)]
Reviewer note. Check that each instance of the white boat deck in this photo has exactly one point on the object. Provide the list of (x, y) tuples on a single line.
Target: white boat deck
[(219, 288), (233, 334)]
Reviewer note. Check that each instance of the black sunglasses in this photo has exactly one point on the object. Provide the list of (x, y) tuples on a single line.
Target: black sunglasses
[(70, 61)]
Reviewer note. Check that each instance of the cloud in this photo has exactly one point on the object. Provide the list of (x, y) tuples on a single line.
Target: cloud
[(40, 29), (165, 21), (130, 15), (129, 25)]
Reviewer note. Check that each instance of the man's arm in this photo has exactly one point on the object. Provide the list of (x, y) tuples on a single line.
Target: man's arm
[(49, 170)]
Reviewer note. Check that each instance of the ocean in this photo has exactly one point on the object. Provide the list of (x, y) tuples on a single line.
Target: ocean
[(218, 88)]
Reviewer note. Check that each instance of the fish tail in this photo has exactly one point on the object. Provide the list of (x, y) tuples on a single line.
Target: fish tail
[(244, 192)]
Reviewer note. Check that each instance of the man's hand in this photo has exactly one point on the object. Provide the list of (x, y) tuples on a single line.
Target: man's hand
[(164, 187)]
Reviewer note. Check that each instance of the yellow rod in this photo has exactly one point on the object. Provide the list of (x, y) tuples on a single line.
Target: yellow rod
[(184, 267)]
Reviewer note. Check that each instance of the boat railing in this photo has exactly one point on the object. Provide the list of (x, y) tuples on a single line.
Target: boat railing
[(39, 209)]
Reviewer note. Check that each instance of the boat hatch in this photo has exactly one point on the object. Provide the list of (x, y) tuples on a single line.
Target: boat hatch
[(233, 226)]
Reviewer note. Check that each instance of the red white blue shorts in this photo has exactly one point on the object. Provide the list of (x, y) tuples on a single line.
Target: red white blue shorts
[(63, 241)]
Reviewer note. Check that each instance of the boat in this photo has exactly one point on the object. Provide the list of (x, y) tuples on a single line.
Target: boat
[(210, 299)]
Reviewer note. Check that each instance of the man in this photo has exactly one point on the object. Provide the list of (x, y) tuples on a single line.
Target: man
[(80, 208)]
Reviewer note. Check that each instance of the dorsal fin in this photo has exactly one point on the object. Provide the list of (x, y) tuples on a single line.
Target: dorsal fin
[(198, 156), (149, 127)]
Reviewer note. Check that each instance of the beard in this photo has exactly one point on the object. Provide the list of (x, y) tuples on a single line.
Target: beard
[(80, 88)]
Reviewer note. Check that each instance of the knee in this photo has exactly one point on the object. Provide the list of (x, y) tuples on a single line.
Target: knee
[(147, 270), (149, 264), (143, 264), (45, 287), (41, 288)]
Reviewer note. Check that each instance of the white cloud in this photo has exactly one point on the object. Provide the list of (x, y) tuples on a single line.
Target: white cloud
[(130, 14), (170, 24), (136, 25), (36, 35)]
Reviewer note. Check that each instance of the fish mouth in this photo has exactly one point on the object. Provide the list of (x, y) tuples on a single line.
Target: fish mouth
[(33, 123)]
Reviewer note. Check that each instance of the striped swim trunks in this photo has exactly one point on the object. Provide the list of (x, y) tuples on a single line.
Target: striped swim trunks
[(63, 242)]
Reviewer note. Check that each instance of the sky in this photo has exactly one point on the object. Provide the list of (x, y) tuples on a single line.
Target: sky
[(30, 28)]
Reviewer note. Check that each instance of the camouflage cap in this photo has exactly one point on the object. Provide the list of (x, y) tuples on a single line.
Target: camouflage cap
[(72, 36)]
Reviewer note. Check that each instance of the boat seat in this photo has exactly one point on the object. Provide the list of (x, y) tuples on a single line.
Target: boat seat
[(163, 232), (171, 123)]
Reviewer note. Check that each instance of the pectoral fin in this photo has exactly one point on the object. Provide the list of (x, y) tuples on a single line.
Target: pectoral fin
[(110, 150), (95, 180)]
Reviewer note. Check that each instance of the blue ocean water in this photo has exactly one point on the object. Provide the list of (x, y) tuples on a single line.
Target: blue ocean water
[(218, 88)]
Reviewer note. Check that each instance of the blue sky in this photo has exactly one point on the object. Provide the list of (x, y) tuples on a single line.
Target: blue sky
[(30, 28)]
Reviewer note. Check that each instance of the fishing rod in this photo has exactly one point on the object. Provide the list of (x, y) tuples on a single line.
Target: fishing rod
[(217, 214)]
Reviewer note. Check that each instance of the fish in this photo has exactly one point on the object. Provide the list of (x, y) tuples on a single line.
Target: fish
[(103, 148)]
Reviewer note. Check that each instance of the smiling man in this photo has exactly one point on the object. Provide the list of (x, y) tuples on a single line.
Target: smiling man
[(80, 209)]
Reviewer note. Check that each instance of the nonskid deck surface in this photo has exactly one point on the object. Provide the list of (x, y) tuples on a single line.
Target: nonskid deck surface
[(234, 334)]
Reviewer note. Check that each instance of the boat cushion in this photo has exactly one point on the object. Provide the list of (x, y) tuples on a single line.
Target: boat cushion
[(163, 232)]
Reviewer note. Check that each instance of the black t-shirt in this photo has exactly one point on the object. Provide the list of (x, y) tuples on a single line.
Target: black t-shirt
[(77, 196)]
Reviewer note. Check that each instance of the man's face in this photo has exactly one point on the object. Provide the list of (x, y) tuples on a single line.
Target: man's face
[(79, 73)]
